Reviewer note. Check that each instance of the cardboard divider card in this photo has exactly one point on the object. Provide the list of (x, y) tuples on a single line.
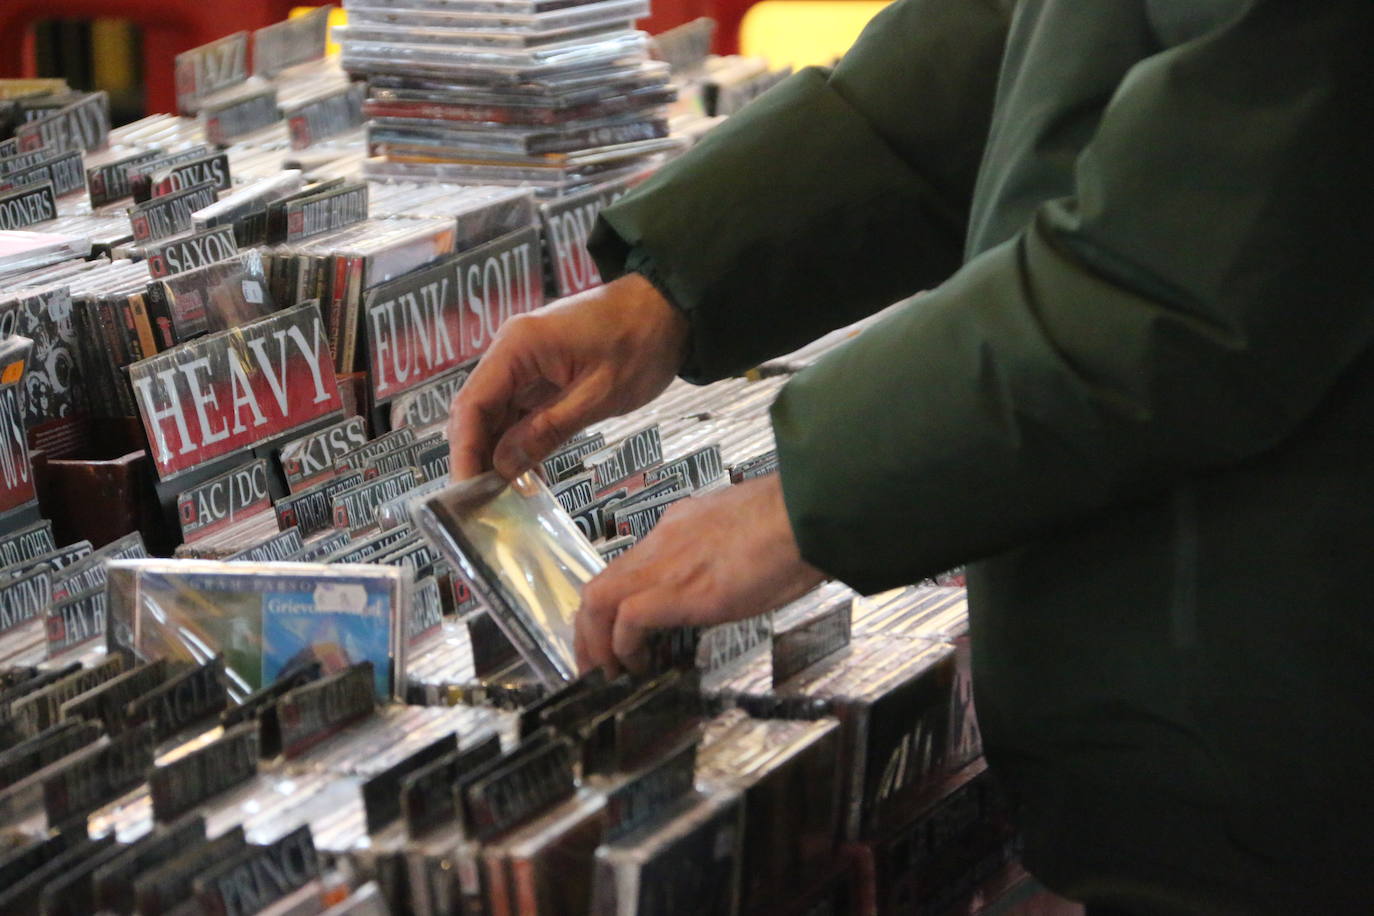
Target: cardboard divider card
[(138, 177), (82, 125), (355, 510), (27, 543), (568, 223), (310, 459), (567, 462), (355, 459), (326, 116), (25, 598), (64, 170), (169, 214), (76, 622), (275, 549), (109, 182), (229, 118), (212, 506), (312, 510), (210, 68), (433, 320), (235, 389), (27, 206), (290, 42), (428, 405), (212, 170), (197, 249)]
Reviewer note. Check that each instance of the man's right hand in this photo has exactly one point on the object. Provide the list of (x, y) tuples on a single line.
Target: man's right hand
[(551, 372)]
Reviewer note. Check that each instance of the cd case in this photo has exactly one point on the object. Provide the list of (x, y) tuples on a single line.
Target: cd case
[(525, 558), (264, 618)]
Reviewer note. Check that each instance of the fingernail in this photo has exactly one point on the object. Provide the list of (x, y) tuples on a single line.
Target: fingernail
[(513, 462)]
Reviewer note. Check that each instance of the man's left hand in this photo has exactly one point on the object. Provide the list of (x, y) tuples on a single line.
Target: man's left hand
[(711, 559)]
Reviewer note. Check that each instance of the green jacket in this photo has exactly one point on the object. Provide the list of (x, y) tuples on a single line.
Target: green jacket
[(1139, 396)]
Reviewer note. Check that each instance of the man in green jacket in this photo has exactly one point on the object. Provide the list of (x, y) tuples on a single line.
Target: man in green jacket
[(1137, 400)]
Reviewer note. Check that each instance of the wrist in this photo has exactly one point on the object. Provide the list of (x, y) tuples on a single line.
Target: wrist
[(660, 321)]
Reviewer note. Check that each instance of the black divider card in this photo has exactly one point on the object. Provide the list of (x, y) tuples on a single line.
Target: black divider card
[(801, 646), (98, 776), (20, 163), (72, 893), (355, 459), (355, 510), (639, 519), (312, 510), (303, 216), (435, 319), (519, 788), (49, 746), (180, 786), (760, 466), (567, 462), (39, 709), (229, 118), (62, 169), (325, 116), (568, 223), (56, 561), (82, 125), (89, 572), (108, 703), (426, 793), (164, 887), (313, 712), (317, 550), (212, 170), (699, 469), (26, 206), (183, 253), (187, 698), (290, 42), (76, 621), (138, 177), (109, 182), (429, 404), (273, 550), (210, 68), (170, 214), (235, 389), (25, 597), (27, 543), (114, 881), (646, 795), (407, 456), (258, 876), (382, 793), (217, 503), (637, 452), (427, 611), (308, 460), (23, 895)]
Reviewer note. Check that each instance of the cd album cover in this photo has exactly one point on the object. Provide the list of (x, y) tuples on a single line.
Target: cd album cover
[(265, 618)]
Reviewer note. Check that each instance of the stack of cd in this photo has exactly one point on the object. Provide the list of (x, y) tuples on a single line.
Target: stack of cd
[(542, 92)]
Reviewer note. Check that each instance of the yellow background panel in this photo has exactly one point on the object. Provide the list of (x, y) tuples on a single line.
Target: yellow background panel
[(800, 33)]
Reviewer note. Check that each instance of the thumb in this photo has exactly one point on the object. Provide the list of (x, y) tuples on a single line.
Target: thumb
[(538, 434)]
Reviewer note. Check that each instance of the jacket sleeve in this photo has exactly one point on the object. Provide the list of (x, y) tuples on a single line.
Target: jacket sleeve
[(1197, 297), (829, 197)]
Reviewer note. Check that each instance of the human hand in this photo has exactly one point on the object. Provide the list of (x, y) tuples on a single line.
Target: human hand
[(551, 372), (711, 559)]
